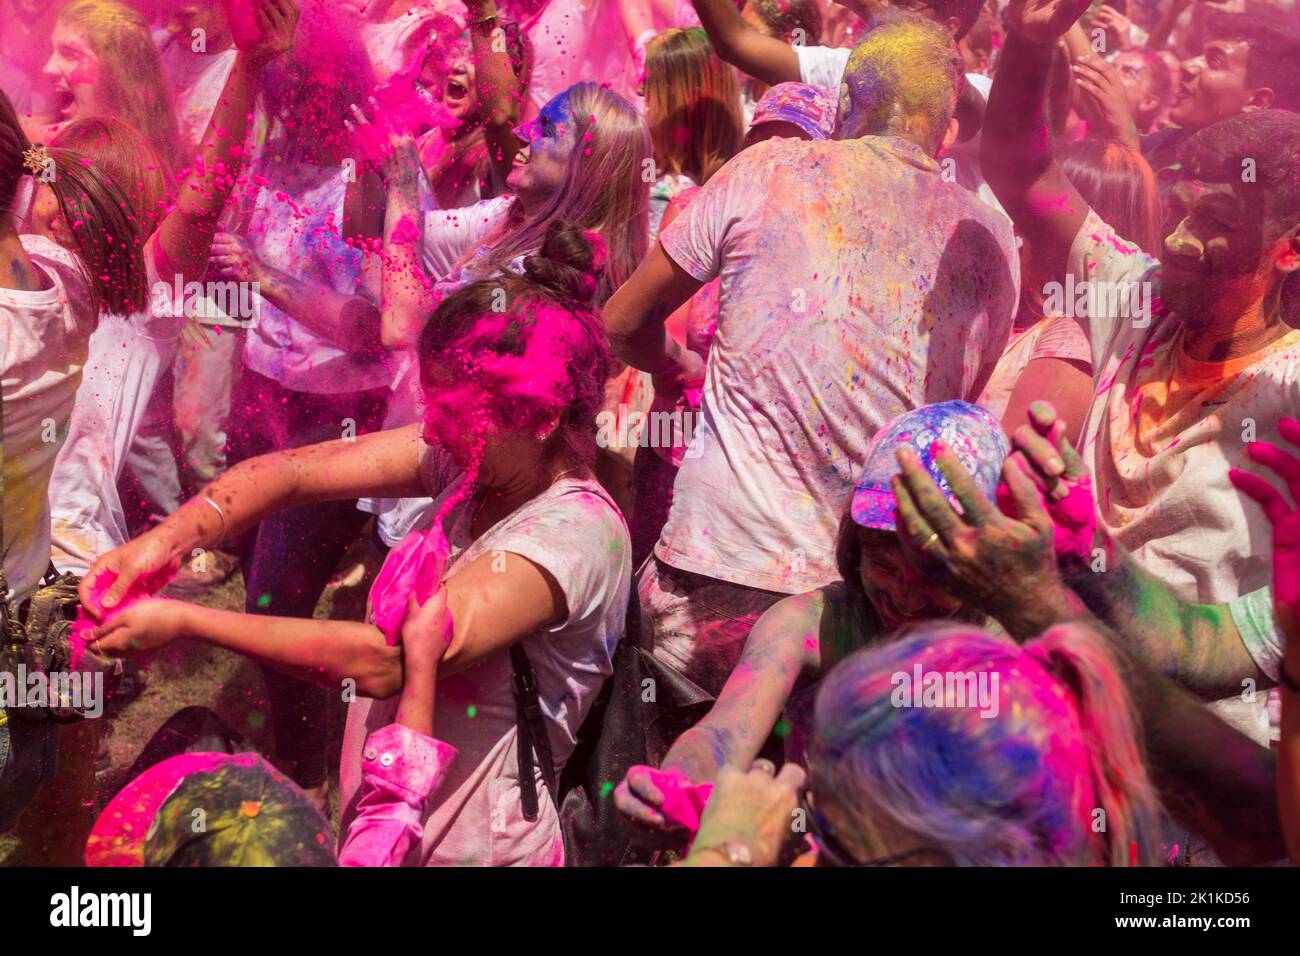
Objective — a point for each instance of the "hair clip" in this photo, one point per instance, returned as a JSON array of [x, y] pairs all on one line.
[[36, 159]]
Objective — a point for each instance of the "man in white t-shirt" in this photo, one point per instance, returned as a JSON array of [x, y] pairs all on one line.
[[1191, 355], [857, 284]]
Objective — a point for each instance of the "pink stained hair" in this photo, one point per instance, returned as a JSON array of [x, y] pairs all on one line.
[[1056, 777]]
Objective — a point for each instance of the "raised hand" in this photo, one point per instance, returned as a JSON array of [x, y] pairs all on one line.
[[1104, 101], [1044, 21], [276, 22]]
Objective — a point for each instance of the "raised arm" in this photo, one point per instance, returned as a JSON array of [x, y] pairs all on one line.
[[185, 235], [1017, 152], [763, 57], [499, 89], [380, 464]]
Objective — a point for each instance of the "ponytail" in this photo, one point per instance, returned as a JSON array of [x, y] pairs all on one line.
[[1075, 655], [105, 233]]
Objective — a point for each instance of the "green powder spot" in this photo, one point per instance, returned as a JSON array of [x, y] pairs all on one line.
[[607, 788], [471, 710], [264, 600], [782, 727], [256, 720]]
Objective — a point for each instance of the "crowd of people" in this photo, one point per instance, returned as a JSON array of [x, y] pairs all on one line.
[[768, 432]]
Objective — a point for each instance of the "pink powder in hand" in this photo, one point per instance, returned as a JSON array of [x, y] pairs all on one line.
[[84, 625], [683, 801], [1075, 520], [416, 567]]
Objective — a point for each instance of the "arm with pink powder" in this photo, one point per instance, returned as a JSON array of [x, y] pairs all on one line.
[[1017, 152], [783, 645], [185, 235], [1285, 518]]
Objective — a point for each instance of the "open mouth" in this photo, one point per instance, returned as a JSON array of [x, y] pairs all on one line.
[[65, 104], [456, 91]]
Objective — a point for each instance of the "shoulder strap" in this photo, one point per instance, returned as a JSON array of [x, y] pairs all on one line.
[[532, 734]]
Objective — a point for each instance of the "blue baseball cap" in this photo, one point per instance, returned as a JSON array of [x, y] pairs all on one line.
[[970, 431]]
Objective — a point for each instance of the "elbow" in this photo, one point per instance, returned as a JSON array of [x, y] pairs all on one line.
[[380, 675]]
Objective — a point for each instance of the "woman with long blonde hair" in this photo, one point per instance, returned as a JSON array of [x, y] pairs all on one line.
[[105, 63], [693, 108], [583, 160]]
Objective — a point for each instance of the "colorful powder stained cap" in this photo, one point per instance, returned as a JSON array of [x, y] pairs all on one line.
[[808, 107], [970, 431], [251, 815]]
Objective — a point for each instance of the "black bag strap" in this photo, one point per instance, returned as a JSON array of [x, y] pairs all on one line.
[[533, 737]]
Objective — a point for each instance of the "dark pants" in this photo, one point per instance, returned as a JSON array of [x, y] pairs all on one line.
[[290, 556]]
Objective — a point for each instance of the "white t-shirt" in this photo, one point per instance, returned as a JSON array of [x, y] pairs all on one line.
[[296, 227], [127, 357], [574, 531], [197, 80], [856, 285], [44, 338], [1163, 431]]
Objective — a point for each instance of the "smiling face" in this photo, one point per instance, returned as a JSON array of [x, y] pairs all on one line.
[[549, 142], [1213, 85], [900, 594], [74, 70]]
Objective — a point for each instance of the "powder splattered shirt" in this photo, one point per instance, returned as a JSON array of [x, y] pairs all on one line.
[[574, 531], [856, 284]]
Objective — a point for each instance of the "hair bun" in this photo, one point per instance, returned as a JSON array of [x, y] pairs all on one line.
[[570, 263]]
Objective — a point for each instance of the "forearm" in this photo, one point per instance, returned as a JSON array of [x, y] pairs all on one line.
[[498, 87], [765, 58], [325, 653], [186, 234], [1195, 645], [351, 321], [1213, 779], [1017, 144], [415, 709], [407, 290]]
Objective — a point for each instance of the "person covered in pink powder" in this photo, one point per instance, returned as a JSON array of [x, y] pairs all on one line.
[[539, 563], [827, 329], [1014, 769]]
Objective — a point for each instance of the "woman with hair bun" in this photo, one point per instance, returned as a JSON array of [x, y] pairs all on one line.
[[526, 548]]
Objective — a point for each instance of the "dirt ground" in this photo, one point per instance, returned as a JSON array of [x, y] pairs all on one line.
[[188, 673]]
